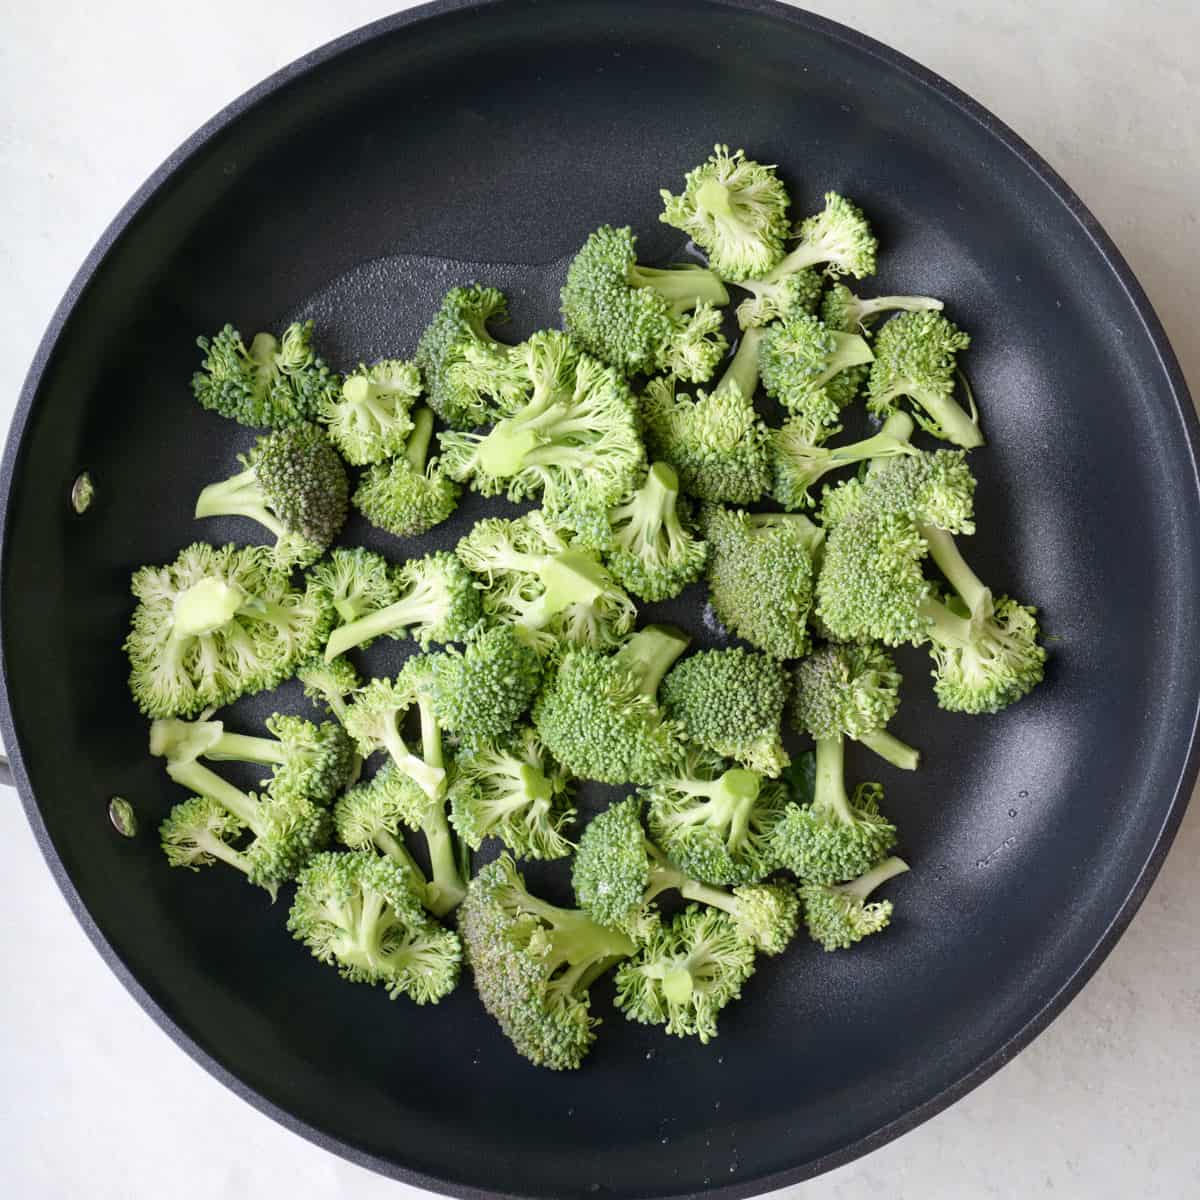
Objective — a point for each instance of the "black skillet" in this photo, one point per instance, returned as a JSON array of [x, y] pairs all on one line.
[[503, 133]]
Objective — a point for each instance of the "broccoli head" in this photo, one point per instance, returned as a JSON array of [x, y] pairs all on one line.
[[838, 915], [368, 420], [356, 581], [332, 684], [811, 370]]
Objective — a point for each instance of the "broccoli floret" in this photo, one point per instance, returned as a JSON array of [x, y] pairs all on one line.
[[685, 973], [512, 790], [438, 602], [598, 715], [307, 761], [760, 576], [838, 916], [638, 319], [842, 309], [332, 684], [369, 419], [716, 442], [800, 461], [287, 831], [651, 550], [470, 376], [552, 590], [736, 210], [482, 692], [295, 485], [356, 581], [731, 702], [811, 370], [215, 624], [374, 722], [408, 496], [838, 237], [574, 444], [618, 871], [275, 382], [851, 690], [360, 913], [915, 358], [717, 824], [533, 963]]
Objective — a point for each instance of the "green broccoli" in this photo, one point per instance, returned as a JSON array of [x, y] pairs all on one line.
[[842, 309], [359, 913], [407, 496], [369, 419], [307, 761], [513, 790], [618, 871], [915, 358], [812, 370], [295, 485], [437, 602], [533, 963], [357, 582], [482, 692], [333, 684], [216, 624], [639, 319], [651, 550], [717, 824], [551, 589], [716, 442], [838, 916], [735, 210], [275, 382], [800, 460], [574, 444], [598, 716], [469, 376], [760, 576], [838, 236], [685, 973], [730, 702]]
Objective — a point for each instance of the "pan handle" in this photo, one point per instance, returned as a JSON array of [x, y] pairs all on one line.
[[6, 775]]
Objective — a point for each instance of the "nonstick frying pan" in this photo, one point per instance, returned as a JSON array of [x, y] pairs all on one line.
[[501, 133]]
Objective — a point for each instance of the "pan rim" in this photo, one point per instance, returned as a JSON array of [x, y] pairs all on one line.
[[891, 59]]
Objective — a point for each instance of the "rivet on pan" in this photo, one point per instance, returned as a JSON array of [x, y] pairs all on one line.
[[121, 814], [82, 491]]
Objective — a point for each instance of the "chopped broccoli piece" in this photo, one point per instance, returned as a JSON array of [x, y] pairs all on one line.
[[307, 761], [513, 790], [716, 442], [215, 624], [438, 602], [470, 377], [760, 576], [731, 702], [842, 309], [838, 236], [274, 383], [482, 692], [574, 443], [408, 496], [915, 358], [533, 963], [369, 419], [295, 485], [552, 590], [359, 913], [639, 319], [598, 715], [332, 684], [651, 550], [685, 973], [735, 209], [357, 582], [812, 370], [715, 823], [838, 916]]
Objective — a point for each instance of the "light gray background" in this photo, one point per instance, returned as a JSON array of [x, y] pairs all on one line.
[[94, 1099]]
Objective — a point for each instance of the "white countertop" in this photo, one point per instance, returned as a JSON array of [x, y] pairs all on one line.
[[95, 1101]]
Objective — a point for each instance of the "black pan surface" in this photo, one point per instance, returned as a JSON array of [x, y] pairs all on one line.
[[503, 133]]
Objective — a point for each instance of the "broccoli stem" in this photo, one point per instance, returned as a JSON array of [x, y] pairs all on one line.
[[712, 196], [238, 496], [949, 416], [567, 579], [682, 287], [830, 789], [866, 309], [430, 778], [204, 782], [945, 553], [578, 940], [210, 844], [417, 449], [742, 371], [241, 747], [649, 654], [422, 605], [205, 606], [730, 802], [446, 888], [892, 749], [390, 845], [864, 885]]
